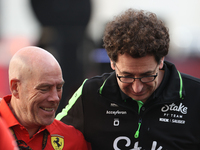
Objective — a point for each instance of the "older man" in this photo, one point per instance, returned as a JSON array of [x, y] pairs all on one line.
[[35, 80]]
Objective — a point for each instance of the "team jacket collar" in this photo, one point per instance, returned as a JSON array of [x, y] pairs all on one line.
[[6, 113], [110, 88], [170, 90], [174, 88]]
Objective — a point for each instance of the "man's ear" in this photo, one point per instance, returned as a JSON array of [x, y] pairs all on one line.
[[14, 87], [161, 63], [112, 64]]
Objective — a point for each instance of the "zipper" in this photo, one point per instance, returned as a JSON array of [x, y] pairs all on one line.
[[140, 104], [138, 130]]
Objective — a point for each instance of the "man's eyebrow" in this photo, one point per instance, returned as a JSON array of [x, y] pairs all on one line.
[[43, 85], [47, 84], [148, 72]]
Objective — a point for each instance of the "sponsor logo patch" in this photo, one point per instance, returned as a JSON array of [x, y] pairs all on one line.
[[116, 112], [113, 105], [173, 113], [127, 140], [57, 141]]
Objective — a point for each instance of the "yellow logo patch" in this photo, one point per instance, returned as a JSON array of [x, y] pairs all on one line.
[[57, 141]]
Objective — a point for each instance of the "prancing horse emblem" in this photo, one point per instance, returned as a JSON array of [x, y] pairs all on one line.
[[57, 141]]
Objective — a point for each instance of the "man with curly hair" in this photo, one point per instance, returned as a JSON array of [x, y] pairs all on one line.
[[146, 103]]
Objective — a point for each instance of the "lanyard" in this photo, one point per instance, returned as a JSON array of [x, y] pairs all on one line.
[[23, 146]]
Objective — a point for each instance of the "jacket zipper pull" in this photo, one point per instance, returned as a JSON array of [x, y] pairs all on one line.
[[138, 130]]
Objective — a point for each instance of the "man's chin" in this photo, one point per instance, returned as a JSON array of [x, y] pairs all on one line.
[[46, 122]]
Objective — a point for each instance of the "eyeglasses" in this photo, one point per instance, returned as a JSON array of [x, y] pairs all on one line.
[[146, 79]]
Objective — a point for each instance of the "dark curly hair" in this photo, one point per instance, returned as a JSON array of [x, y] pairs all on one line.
[[137, 33]]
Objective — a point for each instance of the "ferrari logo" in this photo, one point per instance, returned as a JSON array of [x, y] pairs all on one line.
[[57, 141]]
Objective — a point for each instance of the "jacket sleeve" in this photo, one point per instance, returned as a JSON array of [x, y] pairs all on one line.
[[72, 114]]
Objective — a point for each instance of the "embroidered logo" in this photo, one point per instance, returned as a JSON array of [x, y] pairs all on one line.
[[172, 107], [116, 122], [174, 113], [127, 142], [57, 141], [117, 112], [113, 105]]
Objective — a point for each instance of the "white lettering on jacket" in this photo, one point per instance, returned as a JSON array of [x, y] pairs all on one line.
[[116, 112], [128, 143], [172, 107]]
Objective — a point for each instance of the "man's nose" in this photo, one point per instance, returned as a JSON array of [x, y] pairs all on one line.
[[137, 86], [55, 95]]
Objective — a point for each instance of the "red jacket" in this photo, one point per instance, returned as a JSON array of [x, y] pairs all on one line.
[[7, 141]]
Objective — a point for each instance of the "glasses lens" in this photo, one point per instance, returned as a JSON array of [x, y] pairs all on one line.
[[131, 80], [148, 79], [126, 80]]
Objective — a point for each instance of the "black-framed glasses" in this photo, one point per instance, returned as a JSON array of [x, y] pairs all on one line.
[[145, 79]]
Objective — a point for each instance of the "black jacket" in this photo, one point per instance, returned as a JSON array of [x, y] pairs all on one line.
[[168, 120]]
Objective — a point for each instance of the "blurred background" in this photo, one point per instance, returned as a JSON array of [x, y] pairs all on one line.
[[72, 31]]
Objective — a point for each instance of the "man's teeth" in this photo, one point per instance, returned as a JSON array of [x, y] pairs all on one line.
[[48, 109]]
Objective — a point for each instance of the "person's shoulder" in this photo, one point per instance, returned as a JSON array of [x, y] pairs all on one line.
[[69, 132], [103, 76], [99, 79], [191, 79], [94, 83], [72, 137], [60, 126]]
